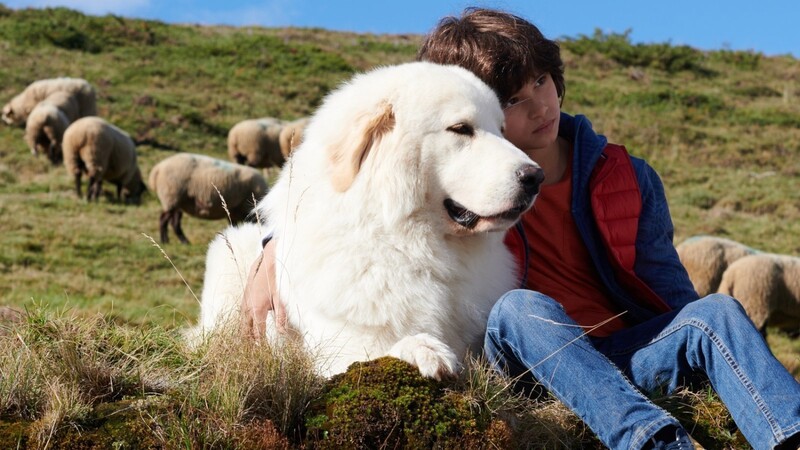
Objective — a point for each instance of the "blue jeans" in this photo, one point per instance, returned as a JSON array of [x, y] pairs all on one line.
[[603, 380]]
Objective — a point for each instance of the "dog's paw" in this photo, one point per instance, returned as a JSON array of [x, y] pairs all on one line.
[[432, 357]]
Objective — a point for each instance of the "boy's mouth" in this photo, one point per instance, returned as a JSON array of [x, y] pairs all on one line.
[[545, 126]]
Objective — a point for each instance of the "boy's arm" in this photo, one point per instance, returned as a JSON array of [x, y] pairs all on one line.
[[261, 296], [657, 262]]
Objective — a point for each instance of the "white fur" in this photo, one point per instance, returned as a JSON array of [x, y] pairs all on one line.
[[228, 261], [368, 261]]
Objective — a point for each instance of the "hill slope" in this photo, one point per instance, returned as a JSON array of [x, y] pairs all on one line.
[[722, 128]]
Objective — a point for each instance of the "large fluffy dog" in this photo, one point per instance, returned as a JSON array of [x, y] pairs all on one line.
[[389, 220]]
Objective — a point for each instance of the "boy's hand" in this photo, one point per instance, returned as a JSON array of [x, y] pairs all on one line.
[[261, 296]]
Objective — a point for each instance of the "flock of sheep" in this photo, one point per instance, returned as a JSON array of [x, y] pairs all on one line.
[[59, 116], [766, 284], [60, 120]]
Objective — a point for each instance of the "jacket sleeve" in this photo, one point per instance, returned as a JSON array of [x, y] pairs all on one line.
[[657, 262]]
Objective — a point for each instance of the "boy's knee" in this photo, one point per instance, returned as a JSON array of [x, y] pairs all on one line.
[[521, 304], [717, 307]]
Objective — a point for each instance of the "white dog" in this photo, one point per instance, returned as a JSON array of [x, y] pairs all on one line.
[[389, 220]]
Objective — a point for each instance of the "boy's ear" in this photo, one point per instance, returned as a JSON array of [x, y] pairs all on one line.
[[347, 154]]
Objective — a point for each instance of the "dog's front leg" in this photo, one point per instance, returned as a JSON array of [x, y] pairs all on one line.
[[432, 357]]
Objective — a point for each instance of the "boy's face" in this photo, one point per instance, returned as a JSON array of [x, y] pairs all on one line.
[[532, 114]]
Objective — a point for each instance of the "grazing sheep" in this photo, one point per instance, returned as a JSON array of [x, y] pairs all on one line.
[[768, 287], [16, 111], [198, 185], [255, 142], [44, 130], [47, 122], [103, 152], [707, 257], [291, 136]]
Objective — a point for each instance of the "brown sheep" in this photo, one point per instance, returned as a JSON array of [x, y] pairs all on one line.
[[104, 152], [16, 111], [255, 142], [46, 124], [707, 257], [199, 185], [768, 287], [292, 135]]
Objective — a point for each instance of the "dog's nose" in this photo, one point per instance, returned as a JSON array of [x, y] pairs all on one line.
[[531, 178]]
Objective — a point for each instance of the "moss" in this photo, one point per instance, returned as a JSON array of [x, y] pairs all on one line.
[[14, 433], [386, 403], [126, 424]]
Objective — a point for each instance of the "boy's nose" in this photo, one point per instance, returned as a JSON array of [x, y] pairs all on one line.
[[537, 108]]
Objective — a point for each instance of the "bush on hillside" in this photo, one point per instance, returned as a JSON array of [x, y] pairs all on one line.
[[618, 47], [72, 30]]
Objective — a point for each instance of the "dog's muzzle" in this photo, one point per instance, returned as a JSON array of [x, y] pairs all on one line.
[[530, 178]]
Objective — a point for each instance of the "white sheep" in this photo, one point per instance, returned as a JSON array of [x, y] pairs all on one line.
[[44, 130], [104, 152], [198, 185], [16, 111], [292, 135], [768, 287], [255, 142], [47, 122], [706, 258]]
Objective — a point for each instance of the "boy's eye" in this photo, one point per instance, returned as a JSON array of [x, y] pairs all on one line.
[[510, 102], [541, 80], [462, 128]]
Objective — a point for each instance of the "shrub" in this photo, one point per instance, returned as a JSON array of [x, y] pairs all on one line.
[[618, 47], [72, 30]]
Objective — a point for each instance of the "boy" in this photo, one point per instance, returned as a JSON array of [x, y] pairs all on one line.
[[609, 311]]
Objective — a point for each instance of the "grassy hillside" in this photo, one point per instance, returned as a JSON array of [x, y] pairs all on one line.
[[176, 88], [722, 128]]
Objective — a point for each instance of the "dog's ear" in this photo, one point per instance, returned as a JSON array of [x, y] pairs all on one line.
[[348, 154]]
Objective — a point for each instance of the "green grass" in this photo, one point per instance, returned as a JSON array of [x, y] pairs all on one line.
[[721, 128]]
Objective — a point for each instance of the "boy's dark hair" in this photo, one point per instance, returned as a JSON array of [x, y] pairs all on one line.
[[503, 50]]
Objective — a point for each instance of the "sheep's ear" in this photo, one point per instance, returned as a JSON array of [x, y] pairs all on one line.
[[349, 152]]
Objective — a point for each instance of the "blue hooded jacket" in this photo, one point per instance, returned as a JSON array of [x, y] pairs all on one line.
[[602, 176]]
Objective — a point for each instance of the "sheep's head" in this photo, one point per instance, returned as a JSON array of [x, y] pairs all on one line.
[[54, 153], [8, 114], [132, 192]]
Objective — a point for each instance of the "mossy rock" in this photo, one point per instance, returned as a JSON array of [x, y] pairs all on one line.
[[126, 424], [13, 433], [386, 403]]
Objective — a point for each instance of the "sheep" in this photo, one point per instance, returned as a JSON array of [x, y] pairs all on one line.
[[768, 287], [706, 258], [44, 130], [16, 111], [255, 142], [203, 187], [103, 152], [291, 136], [47, 122]]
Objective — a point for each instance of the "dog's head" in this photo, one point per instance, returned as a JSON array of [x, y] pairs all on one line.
[[424, 141]]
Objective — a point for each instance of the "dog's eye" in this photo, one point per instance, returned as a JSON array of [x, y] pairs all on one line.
[[462, 128]]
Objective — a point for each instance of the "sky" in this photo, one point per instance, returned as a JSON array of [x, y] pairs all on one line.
[[766, 26]]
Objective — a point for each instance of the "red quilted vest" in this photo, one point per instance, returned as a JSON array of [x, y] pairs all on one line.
[[617, 205]]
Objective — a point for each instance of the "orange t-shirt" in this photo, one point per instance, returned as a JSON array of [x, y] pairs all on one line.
[[559, 264]]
